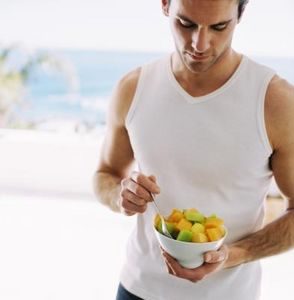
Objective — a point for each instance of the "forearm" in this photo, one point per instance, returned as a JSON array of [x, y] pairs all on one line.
[[107, 189], [274, 238]]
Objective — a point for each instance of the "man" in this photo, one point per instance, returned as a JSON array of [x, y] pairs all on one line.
[[213, 127]]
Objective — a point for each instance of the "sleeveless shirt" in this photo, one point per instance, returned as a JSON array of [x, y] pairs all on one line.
[[209, 152]]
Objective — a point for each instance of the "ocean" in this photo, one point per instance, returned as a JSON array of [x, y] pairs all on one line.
[[49, 97], [97, 73]]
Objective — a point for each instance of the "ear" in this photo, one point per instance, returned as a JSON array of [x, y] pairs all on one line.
[[165, 7]]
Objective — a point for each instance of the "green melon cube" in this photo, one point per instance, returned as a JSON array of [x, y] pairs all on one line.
[[185, 236], [171, 228], [194, 215]]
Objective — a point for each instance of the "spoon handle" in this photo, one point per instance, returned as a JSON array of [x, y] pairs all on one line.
[[152, 195], [155, 204]]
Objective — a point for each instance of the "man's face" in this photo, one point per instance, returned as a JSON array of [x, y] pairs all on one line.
[[202, 30]]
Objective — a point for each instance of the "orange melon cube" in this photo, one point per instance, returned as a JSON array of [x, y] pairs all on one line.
[[214, 234], [183, 224], [175, 216], [212, 222]]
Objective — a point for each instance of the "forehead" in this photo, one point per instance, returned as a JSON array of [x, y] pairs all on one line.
[[205, 11]]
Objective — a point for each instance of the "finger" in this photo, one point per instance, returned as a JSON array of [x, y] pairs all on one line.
[[128, 212], [169, 269], [147, 183], [132, 207], [169, 266], [195, 274], [171, 263], [131, 197], [152, 178], [123, 209], [192, 275], [218, 256], [167, 256], [207, 268], [136, 189]]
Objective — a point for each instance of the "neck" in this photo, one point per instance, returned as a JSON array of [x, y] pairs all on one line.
[[205, 82]]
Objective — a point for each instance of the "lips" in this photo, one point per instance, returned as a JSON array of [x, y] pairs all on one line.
[[198, 56]]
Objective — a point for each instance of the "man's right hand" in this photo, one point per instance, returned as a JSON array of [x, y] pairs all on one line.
[[135, 193]]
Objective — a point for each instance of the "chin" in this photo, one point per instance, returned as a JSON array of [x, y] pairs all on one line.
[[197, 67]]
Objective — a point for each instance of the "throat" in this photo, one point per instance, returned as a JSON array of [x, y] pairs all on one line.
[[199, 86], [204, 83]]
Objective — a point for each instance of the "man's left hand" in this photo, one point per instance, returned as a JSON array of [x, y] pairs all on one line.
[[213, 262]]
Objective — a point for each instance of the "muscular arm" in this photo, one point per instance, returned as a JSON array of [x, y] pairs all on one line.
[[277, 236], [114, 185], [116, 155]]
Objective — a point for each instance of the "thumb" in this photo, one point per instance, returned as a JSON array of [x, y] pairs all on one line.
[[152, 178], [212, 257]]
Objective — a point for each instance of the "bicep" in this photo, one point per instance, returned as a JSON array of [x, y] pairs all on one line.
[[279, 110], [116, 154]]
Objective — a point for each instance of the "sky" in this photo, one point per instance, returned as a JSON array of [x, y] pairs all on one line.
[[267, 27]]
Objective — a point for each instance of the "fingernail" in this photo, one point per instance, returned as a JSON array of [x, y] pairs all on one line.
[[157, 190]]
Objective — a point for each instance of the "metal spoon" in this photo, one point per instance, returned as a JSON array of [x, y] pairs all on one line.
[[163, 224]]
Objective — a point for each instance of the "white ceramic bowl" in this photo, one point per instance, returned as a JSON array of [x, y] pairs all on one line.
[[188, 254]]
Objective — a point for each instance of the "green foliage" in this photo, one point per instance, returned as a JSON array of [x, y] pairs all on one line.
[[16, 67]]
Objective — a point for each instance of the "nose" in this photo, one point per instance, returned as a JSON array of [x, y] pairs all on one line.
[[200, 40]]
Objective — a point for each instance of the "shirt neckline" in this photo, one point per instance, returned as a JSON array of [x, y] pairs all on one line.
[[200, 99]]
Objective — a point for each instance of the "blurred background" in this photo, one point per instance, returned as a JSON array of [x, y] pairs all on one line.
[[59, 62]]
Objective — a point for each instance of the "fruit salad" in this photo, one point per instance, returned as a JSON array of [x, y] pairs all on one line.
[[190, 225]]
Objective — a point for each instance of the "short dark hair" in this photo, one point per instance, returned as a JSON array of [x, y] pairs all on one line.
[[241, 7]]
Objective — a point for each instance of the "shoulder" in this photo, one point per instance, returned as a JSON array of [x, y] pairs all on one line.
[[122, 97], [279, 111]]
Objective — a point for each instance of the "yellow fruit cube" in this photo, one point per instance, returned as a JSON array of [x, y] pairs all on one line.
[[214, 234], [156, 220], [199, 238], [175, 216], [213, 222], [183, 224], [222, 230], [198, 228]]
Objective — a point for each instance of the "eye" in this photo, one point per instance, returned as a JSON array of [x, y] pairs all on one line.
[[186, 24], [219, 27]]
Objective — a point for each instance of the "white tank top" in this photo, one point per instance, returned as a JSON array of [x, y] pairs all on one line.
[[210, 152]]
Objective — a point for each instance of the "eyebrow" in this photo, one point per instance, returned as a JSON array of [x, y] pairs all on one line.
[[217, 24]]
